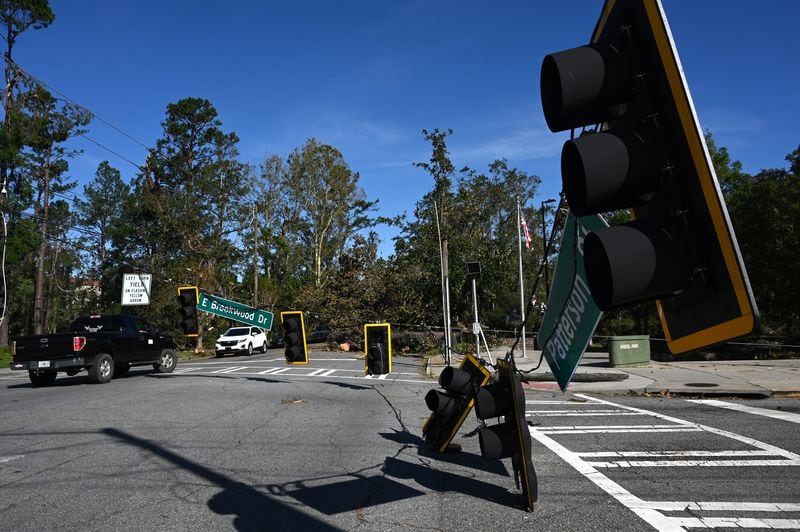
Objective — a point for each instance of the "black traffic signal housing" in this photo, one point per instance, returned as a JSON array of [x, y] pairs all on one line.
[[646, 152], [377, 348], [451, 406], [294, 337], [511, 437], [188, 298]]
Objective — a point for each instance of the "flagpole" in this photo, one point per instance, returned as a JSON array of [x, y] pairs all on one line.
[[521, 285]]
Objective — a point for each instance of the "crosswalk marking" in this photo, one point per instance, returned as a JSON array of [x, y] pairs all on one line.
[[303, 372], [578, 413], [783, 416], [617, 429], [590, 465], [229, 370]]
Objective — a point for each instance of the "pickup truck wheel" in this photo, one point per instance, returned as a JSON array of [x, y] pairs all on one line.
[[42, 378], [168, 362], [121, 369], [102, 370], [249, 349]]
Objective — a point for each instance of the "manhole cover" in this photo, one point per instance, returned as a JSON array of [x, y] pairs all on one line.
[[701, 384]]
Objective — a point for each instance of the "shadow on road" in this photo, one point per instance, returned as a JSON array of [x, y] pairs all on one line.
[[253, 509]]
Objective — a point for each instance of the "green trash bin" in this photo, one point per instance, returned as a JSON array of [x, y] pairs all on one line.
[[629, 351]]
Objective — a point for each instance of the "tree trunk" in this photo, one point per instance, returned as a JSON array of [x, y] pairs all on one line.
[[38, 294]]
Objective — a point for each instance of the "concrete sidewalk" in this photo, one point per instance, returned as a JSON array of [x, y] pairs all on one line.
[[746, 378]]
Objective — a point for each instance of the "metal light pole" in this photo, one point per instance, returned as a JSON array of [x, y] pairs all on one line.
[[544, 250]]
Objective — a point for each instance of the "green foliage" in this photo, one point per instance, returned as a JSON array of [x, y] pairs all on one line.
[[765, 212]]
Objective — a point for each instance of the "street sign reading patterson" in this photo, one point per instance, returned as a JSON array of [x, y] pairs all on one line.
[[572, 314], [235, 311]]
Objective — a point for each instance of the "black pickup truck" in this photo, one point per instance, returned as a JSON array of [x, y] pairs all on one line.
[[105, 346]]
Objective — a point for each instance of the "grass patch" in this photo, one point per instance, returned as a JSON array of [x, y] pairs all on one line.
[[5, 357]]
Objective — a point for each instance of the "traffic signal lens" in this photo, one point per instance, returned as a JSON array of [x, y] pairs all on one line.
[[439, 403], [455, 380], [491, 401], [638, 261], [606, 171], [585, 85], [496, 441]]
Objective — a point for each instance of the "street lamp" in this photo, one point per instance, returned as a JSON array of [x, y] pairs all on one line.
[[544, 251]]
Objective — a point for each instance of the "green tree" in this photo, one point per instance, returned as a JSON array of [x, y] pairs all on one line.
[[479, 222], [16, 17], [329, 206], [99, 213], [765, 212]]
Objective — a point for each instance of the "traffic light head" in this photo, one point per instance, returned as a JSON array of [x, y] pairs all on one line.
[[294, 337], [642, 149], [187, 299], [449, 407], [509, 438], [378, 348]]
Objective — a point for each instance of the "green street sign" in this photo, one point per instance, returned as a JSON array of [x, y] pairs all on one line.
[[572, 314], [235, 311]]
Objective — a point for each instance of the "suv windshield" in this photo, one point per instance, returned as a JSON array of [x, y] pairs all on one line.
[[239, 331]]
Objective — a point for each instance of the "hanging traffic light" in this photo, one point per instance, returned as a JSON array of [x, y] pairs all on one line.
[[187, 299], [294, 337], [511, 437], [646, 152], [450, 407], [378, 348]]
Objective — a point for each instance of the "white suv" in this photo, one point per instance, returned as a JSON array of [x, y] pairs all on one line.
[[242, 340]]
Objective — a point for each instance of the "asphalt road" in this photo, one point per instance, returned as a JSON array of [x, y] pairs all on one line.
[[249, 443]]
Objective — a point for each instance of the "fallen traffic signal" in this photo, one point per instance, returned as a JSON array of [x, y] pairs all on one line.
[[377, 348], [451, 406], [642, 149], [511, 437], [187, 299], [294, 337]]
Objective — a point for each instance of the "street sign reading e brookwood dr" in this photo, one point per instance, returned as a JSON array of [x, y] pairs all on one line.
[[572, 314], [234, 311]]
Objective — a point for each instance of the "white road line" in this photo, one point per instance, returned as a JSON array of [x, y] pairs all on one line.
[[783, 416], [328, 373], [665, 454], [618, 429], [545, 402], [268, 371], [578, 413], [229, 370], [280, 370], [4, 459], [315, 372], [694, 463]]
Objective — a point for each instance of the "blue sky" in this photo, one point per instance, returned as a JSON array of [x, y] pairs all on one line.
[[368, 76]]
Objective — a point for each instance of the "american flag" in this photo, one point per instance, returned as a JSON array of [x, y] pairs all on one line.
[[525, 233]]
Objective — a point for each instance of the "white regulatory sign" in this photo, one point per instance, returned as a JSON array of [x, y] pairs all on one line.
[[136, 288]]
